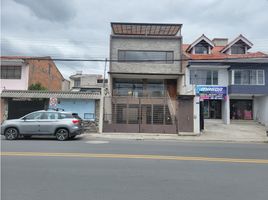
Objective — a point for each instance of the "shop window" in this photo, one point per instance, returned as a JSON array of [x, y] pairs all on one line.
[[241, 109]]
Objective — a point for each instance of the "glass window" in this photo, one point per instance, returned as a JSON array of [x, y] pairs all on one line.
[[125, 87], [52, 115], [248, 77], [10, 72], [237, 77], [236, 49], [77, 82], [155, 88], [204, 77], [65, 116], [139, 88], [260, 76], [202, 48], [33, 116], [132, 56]]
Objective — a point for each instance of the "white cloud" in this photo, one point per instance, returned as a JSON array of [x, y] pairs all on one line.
[[81, 28]]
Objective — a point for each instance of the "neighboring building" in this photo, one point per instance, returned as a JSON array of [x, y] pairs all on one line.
[[85, 104], [145, 79], [65, 85], [248, 89], [230, 81], [19, 72], [87, 82]]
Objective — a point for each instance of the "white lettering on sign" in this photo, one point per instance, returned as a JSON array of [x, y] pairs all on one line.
[[211, 89]]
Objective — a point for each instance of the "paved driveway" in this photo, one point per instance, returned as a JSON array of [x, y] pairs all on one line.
[[236, 131]]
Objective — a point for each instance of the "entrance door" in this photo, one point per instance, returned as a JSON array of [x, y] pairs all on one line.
[[212, 109], [185, 113], [215, 109]]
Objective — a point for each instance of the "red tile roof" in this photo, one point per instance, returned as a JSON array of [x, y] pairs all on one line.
[[217, 55]]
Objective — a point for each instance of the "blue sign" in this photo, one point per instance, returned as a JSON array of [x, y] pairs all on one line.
[[211, 92]]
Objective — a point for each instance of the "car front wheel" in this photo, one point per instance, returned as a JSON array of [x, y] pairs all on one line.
[[62, 134], [11, 134]]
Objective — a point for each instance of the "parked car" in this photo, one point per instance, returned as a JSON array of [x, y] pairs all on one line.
[[63, 125]]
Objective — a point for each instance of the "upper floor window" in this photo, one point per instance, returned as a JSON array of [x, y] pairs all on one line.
[[201, 48], [77, 82], [248, 77], [238, 48], [10, 72], [203, 77], [156, 56]]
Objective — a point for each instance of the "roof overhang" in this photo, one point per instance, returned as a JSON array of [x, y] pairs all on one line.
[[49, 94], [148, 29]]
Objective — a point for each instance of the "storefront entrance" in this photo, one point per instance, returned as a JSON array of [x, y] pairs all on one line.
[[212, 109], [241, 109]]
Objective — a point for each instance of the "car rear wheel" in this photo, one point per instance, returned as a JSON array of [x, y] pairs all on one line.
[[62, 134], [11, 133]]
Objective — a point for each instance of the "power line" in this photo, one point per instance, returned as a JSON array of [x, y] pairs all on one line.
[[124, 61]]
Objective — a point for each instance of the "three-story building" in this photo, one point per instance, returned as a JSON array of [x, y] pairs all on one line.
[[144, 75]]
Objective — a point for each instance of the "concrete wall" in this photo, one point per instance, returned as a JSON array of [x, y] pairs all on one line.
[[65, 86], [152, 44], [15, 84], [260, 109], [87, 80]]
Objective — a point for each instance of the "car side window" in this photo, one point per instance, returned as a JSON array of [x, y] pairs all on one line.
[[65, 116], [44, 116], [34, 116], [52, 115]]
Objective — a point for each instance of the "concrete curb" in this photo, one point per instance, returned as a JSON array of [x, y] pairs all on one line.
[[169, 137]]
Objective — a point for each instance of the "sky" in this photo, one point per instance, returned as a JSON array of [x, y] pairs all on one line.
[[81, 28]]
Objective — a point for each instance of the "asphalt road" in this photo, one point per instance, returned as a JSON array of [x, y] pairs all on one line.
[[41, 169]]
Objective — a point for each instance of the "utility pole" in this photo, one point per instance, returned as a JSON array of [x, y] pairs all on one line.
[[102, 99]]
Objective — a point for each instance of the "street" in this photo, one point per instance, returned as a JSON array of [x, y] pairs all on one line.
[[43, 168]]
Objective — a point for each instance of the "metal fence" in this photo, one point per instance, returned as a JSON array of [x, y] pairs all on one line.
[[139, 114]]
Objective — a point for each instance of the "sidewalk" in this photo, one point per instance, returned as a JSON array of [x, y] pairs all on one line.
[[215, 130]]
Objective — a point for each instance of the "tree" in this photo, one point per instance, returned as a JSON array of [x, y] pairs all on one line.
[[36, 86]]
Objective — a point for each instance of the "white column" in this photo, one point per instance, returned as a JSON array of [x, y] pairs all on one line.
[[196, 114], [101, 111], [226, 110]]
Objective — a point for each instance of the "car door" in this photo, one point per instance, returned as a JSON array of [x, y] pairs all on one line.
[[48, 122], [30, 123]]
